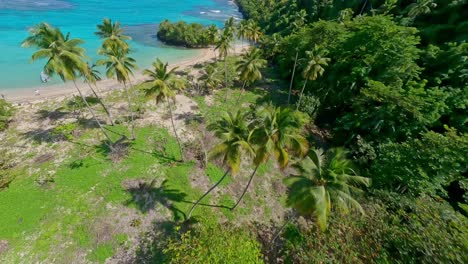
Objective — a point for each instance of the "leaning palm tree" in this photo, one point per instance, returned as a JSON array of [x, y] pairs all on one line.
[[119, 65], [164, 85], [212, 34], [223, 47], [242, 31], [314, 69], [91, 76], [277, 132], [65, 57], [292, 77], [325, 182], [210, 78], [420, 7], [249, 67], [112, 34], [233, 131]]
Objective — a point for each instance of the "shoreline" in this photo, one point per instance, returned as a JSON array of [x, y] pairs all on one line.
[[64, 90]]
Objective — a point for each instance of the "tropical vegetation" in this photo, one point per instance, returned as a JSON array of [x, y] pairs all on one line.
[[193, 35], [339, 135]]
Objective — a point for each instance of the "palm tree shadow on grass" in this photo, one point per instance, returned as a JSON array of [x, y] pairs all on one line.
[[145, 196], [54, 115], [115, 151], [43, 136]]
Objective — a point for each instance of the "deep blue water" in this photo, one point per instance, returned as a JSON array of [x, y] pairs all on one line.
[[79, 17]]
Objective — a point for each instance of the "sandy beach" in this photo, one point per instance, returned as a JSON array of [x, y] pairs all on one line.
[[59, 91]]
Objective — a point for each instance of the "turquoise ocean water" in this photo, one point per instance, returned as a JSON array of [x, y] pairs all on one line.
[[79, 17]]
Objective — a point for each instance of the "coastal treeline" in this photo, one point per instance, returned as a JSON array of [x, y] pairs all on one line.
[[193, 35]]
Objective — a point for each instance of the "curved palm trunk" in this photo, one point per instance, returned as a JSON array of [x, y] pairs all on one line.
[[226, 78], [207, 192], [92, 113], [279, 231], [175, 131], [246, 187], [102, 104], [129, 102], [292, 77], [302, 93], [135, 95], [242, 92]]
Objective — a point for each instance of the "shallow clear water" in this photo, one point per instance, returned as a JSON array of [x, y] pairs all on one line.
[[79, 17]]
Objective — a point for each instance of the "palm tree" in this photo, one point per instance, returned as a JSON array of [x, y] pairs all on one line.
[[278, 133], [230, 27], [325, 182], [242, 31], [91, 77], [292, 77], [233, 131], [210, 78], [65, 57], [223, 47], [112, 34], [164, 85], [421, 7], [249, 67], [254, 32], [314, 69], [119, 65], [212, 33], [299, 20]]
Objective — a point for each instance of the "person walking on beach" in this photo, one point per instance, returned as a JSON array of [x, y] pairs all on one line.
[[37, 92]]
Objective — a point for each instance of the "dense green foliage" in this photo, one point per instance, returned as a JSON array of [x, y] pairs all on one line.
[[214, 244], [193, 35], [394, 92], [396, 229], [6, 112], [385, 84]]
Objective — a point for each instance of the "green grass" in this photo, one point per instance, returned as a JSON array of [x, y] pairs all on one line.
[[101, 253], [83, 185], [214, 173], [211, 112], [227, 201]]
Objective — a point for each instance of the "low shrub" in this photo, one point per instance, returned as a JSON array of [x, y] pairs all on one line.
[[214, 244], [6, 112]]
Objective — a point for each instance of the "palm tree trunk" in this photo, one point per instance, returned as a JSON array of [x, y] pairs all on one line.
[[292, 77], [279, 231], [204, 195], [302, 93], [242, 91], [102, 104], [226, 78], [129, 102], [135, 95], [175, 131], [92, 113], [246, 187]]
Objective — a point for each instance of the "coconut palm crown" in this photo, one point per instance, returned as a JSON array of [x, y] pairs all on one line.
[[324, 182]]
